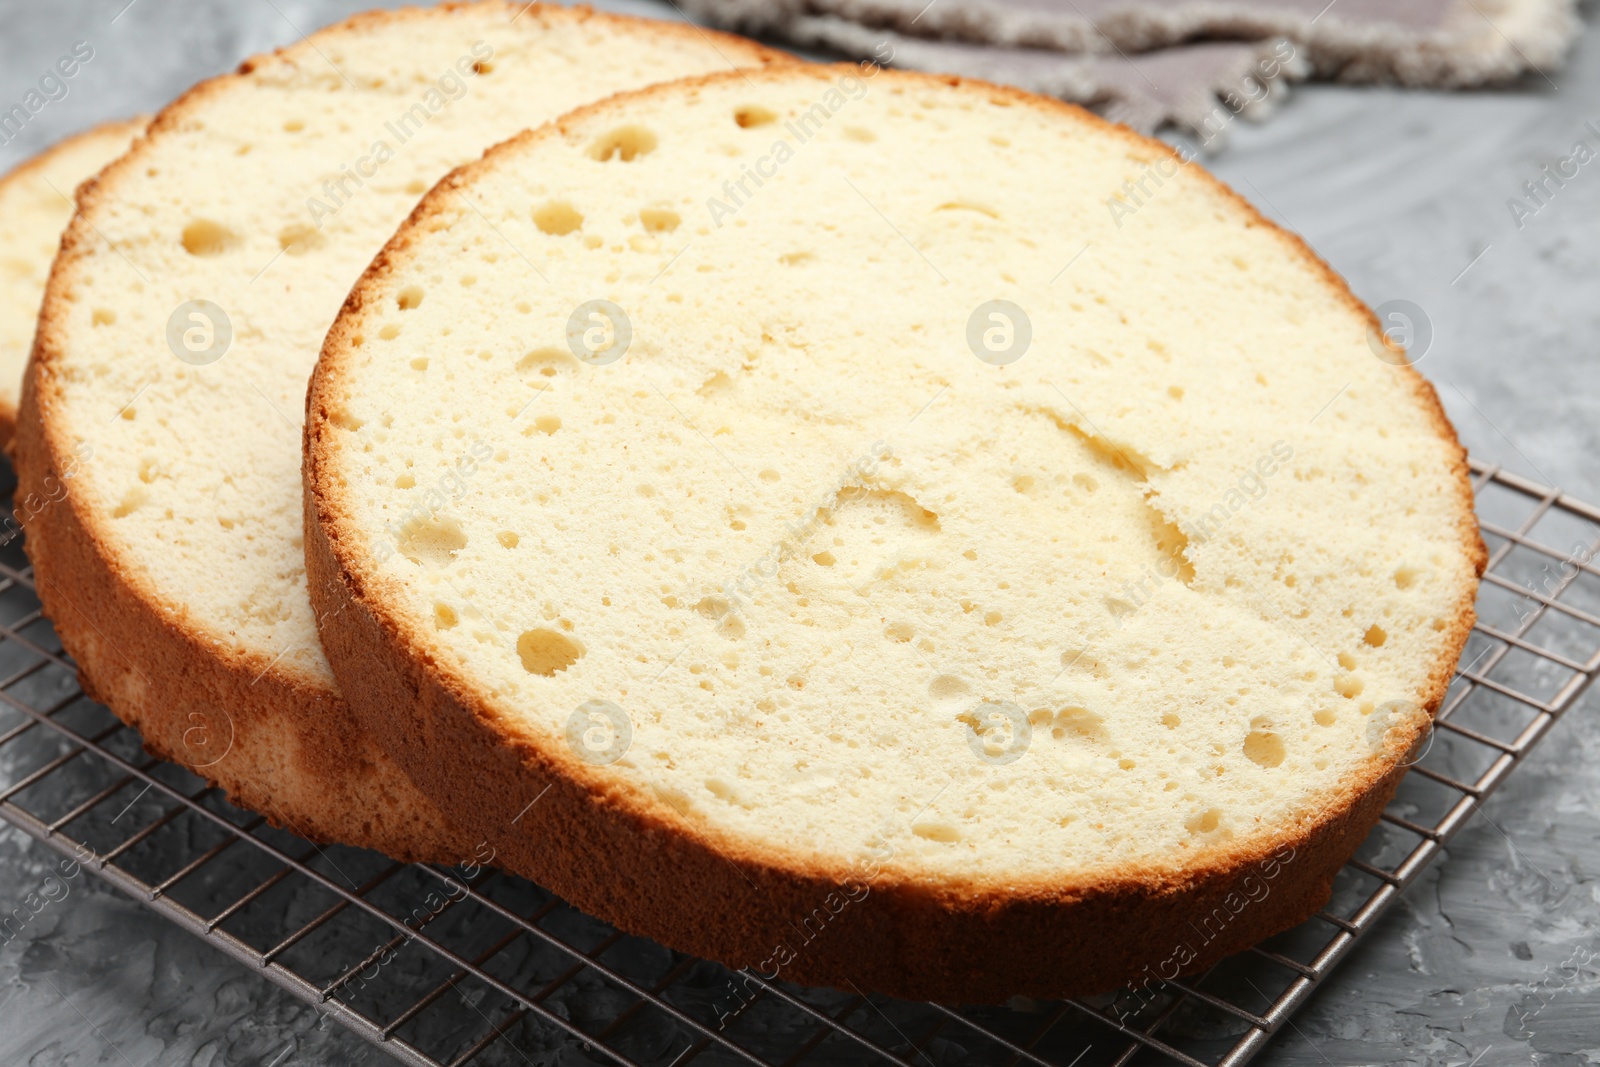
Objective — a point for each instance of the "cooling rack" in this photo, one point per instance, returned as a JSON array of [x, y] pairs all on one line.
[[449, 966]]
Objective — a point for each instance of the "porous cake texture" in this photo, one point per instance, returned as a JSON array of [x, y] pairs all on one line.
[[789, 516], [35, 206], [183, 317]]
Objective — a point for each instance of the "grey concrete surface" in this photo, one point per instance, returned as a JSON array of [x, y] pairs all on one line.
[[1406, 194]]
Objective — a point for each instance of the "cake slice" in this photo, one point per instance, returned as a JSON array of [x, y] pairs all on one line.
[[857, 557], [182, 319], [35, 206]]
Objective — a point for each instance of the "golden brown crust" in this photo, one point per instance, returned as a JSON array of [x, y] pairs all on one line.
[[277, 743], [631, 858], [125, 129]]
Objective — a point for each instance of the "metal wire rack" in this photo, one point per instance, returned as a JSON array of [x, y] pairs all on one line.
[[449, 966]]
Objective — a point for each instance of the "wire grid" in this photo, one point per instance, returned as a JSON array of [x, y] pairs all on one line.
[[445, 966]]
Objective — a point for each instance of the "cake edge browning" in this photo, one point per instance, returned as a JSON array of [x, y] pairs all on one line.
[[275, 742], [630, 858]]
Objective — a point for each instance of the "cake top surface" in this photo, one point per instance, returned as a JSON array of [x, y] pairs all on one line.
[[206, 266], [815, 455]]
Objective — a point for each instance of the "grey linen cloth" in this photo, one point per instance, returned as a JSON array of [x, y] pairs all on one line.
[[1196, 64]]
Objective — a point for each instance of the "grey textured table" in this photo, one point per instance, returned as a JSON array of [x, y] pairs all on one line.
[[1407, 195]]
